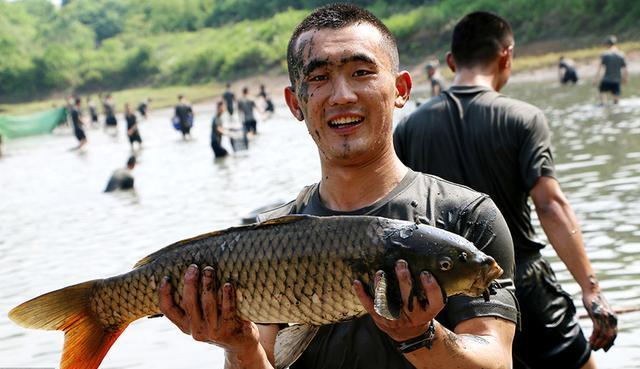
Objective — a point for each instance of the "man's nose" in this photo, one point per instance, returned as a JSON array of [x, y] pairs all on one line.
[[342, 92]]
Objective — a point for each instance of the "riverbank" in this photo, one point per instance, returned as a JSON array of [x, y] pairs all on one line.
[[531, 67]]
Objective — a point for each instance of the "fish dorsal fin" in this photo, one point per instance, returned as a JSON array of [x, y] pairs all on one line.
[[174, 246], [291, 343], [381, 300]]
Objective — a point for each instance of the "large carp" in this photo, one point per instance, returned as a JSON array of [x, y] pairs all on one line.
[[295, 269]]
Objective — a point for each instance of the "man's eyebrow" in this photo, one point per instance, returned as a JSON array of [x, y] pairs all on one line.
[[313, 64], [359, 57]]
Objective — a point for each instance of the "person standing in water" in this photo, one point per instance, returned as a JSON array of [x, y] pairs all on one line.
[[217, 130], [93, 112], [184, 113], [246, 106], [132, 127], [567, 71], [110, 120], [229, 98], [122, 179], [473, 135], [615, 71], [435, 78], [78, 123]]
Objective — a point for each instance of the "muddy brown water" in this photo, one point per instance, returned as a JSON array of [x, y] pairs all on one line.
[[57, 227]]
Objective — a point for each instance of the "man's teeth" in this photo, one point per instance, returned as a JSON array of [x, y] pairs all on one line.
[[344, 121]]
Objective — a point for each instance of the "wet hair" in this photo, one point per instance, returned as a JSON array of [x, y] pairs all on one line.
[[611, 40], [479, 37], [77, 100], [131, 161], [336, 16], [245, 90]]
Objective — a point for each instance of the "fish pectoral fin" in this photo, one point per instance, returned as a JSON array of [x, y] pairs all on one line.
[[291, 343], [381, 301]]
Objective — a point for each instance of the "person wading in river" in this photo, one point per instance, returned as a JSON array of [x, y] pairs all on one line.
[[345, 85], [500, 146]]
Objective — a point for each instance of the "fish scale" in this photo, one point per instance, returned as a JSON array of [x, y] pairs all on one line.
[[295, 269]]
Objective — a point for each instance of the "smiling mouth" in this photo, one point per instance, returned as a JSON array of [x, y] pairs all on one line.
[[344, 122]]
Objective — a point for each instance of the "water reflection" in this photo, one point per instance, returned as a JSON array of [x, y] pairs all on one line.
[[58, 228]]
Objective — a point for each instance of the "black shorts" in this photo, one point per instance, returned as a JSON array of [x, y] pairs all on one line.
[[135, 137], [613, 87], [569, 76], [250, 125], [111, 121], [550, 336], [79, 132]]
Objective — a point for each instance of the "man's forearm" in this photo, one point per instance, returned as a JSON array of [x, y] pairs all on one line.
[[251, 359], [451, 350], [561, 227]]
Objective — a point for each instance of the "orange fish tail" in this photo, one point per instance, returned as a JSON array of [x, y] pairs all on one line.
[[86, 339]]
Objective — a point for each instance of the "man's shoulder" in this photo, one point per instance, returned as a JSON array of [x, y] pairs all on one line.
[[450, 193], [279, 211]]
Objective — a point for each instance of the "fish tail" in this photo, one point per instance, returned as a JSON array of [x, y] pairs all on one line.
[[86, 339]]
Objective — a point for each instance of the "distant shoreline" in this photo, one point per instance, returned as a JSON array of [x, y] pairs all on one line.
[[527, 68]]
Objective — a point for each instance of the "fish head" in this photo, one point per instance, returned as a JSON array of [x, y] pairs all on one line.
[[457, 265]]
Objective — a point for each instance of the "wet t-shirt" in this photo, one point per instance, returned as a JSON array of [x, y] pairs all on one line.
[[246, 107], [500, 147], [613, 61], [75, 118], [426, 199]]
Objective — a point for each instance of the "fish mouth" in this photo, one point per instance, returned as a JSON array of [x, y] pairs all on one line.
[[489, 272]]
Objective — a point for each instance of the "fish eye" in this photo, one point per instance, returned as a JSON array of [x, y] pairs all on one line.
[[463, 256], [445, 264]]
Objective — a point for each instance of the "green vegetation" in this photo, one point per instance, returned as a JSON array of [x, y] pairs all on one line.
[[87, 46]]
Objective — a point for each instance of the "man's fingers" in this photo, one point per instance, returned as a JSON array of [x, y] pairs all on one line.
[[190, 298], [365, 300], [228, 303], [432, 290], [169, 308], [404, 280], [208, 298]]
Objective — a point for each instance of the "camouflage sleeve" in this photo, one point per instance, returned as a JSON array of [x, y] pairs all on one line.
[[279, 211]]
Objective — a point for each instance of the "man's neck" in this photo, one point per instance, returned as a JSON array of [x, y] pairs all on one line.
[[476, 77], [349, 188]]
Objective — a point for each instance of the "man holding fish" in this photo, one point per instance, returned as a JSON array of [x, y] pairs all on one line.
[[345, 85]]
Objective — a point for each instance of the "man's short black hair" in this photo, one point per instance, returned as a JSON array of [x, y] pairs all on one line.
[[336, 16], [479, 37]]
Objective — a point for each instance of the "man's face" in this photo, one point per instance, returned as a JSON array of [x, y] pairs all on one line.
[[346, 90]]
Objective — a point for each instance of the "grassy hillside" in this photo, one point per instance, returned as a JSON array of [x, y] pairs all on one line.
[[99, 45]]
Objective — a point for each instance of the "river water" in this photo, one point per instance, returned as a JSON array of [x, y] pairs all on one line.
[[57, 227]]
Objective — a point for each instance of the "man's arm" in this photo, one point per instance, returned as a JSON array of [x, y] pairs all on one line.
[[481, 342], [596, 79], [625, 75], [206, 319], [561, 227]]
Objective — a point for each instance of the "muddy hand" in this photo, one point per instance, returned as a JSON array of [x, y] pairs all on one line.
[[605, 322], [412, 322], [203, 316]]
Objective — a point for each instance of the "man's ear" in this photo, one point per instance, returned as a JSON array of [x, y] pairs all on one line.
[[403, 88], [506, 59], [292, 102], [450, 61]]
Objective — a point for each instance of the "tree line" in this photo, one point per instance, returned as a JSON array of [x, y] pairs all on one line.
[[89, 45]]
